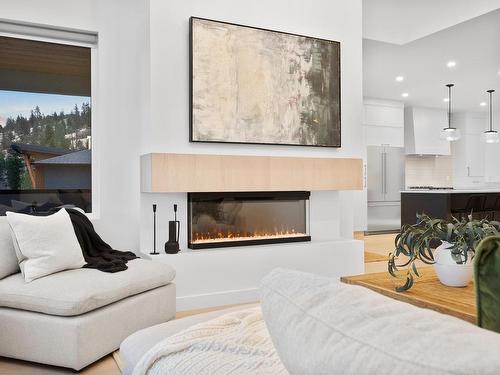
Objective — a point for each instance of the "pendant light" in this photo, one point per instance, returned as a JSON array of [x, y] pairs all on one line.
[[491, 136], [450, 133]]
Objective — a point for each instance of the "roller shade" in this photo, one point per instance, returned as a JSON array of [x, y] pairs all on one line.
[[34, 66]]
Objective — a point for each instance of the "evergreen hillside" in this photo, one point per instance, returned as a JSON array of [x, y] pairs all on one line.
[[62, 130]]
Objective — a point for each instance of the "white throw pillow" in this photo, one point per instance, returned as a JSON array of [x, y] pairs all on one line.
[[323, 327], [45, 244], [8, 260]]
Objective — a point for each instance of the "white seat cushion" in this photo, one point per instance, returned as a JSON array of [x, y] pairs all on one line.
[[75, 292], [321, 326]]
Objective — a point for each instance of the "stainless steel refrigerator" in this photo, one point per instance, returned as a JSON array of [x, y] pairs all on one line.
[[385, 180]]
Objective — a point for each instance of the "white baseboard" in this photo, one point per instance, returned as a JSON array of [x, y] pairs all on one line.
[[229, 297]]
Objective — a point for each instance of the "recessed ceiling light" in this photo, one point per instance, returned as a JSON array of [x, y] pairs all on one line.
[[400, 79], [483, 104], [404, 95], [446, 100], [451, 64]]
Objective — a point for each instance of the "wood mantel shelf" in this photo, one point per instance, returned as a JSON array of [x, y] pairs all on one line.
[[169, 173]]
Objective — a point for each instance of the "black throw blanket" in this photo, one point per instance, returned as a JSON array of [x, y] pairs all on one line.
[[97, 253]]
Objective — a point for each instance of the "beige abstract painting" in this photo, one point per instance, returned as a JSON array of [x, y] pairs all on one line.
[[252, 85]]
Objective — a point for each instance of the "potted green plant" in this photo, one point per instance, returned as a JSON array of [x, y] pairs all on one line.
[[448, 245]]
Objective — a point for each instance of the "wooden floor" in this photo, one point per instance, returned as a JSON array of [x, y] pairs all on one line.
[[380, 244], [183, 314], [105, 366]]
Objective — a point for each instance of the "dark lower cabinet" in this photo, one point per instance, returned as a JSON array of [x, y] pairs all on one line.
[[444, 205]]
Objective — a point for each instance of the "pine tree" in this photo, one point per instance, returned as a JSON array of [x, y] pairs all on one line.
[[6, 140], [23, 127], [10, 124], [14, 168], [36, 112], [49, 137], [59, 136], [2, 171], [74, 119], [32, 119], [85, 115]]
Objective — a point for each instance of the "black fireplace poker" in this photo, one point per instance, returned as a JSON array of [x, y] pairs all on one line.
[[154, 231]]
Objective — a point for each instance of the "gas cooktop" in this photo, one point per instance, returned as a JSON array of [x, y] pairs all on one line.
[[430, 188]]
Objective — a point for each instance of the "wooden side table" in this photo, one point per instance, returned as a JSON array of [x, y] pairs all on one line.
[[427, 292]]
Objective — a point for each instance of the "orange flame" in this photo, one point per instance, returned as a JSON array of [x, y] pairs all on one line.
[[217, 235]]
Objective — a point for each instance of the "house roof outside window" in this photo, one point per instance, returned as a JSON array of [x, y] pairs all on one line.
[[83, 157]]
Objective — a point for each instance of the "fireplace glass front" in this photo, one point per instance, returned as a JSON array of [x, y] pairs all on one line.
[[241, 219]]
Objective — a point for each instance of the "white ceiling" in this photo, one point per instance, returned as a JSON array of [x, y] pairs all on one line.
[[474, 45], [402, 21]]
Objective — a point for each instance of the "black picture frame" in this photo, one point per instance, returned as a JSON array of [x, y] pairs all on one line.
[[191, 93]]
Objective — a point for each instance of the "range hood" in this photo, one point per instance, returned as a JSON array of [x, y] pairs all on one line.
[[423, 128]]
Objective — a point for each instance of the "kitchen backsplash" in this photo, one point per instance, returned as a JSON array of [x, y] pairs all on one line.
[[429, 171]]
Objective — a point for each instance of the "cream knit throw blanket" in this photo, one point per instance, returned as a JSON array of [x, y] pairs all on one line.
[[237, 343]]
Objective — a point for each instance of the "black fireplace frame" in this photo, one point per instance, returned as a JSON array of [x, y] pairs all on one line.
[[257, 195]]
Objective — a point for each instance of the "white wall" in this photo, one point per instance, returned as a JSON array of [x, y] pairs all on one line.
[[168, 130], [396, 21], [141, 105], [141, 99], [429, 170], [117, 104], [337, 20]]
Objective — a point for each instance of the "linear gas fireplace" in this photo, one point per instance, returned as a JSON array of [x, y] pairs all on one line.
[[247, 218]]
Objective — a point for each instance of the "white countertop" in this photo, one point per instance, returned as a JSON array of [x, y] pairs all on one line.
[[452, 191]]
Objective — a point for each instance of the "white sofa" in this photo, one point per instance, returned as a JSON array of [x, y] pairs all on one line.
[[323, 327], [72, 318]]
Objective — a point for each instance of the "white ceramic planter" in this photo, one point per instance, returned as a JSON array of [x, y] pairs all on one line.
[[448, 271]]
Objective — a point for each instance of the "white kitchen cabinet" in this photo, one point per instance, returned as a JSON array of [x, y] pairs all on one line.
[[491, 151], [383, 122], [475, 151], [471, 122], [383, 113], [470, 151], [492, 162], [422, 131]]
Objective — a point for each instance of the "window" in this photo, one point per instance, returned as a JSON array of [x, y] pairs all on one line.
[[45, 126]]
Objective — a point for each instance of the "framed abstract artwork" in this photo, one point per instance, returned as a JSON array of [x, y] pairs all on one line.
[[258, 86]]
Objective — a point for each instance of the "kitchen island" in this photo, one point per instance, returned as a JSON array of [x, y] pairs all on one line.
[[443, 204]]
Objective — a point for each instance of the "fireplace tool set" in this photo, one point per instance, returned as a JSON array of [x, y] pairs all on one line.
[[174, 227]]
